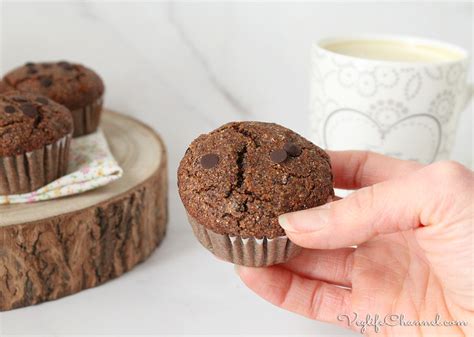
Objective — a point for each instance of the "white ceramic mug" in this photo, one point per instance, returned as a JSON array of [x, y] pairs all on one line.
[[401, 96]]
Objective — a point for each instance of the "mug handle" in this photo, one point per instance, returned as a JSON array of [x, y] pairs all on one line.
[[469, 96]]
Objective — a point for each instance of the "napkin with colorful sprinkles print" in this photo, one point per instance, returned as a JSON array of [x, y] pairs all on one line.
[[91, 165]]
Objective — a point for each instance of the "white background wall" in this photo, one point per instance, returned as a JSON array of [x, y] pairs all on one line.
[[185, 68]]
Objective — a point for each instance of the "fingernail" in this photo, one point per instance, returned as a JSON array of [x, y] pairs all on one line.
[[310, 220]]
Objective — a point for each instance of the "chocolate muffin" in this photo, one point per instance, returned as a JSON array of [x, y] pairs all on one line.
[[3, 87], [35, 133], [76, 87], [235, 181]]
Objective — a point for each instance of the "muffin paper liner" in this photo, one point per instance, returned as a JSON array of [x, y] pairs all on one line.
[[86, 119], [29, 171], [250, 252]]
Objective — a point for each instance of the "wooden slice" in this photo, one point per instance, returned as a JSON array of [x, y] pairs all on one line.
[[55, 248]]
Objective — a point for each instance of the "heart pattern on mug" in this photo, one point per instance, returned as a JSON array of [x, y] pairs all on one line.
[[415, 137]]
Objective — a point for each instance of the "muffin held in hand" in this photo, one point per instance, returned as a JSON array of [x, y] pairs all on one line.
[[34, 141], [235, 181], [76, 87]]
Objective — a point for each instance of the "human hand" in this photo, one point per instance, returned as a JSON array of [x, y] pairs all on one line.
[[413, 227]]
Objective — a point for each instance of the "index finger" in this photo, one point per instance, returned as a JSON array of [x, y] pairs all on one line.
[[357, 169]]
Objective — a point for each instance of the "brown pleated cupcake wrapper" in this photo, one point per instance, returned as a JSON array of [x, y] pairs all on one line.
[[86, 119], [29, 171], [250, 252]]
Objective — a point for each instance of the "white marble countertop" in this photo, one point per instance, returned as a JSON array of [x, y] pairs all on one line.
[[186, 68]]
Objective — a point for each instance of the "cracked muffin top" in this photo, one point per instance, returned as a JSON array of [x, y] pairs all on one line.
[[69, 84], [239, 178], [30, 121]]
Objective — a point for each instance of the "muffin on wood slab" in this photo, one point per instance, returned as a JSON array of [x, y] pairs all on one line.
[[76, 87], [3, 87], [235, 181], [35, 133]]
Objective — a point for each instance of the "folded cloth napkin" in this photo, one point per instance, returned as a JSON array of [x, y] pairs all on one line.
[[91, 165]]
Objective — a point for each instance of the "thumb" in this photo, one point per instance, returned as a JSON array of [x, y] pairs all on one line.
[[388, 207]]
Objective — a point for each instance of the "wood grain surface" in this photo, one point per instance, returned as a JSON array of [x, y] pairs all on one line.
[[56, 248]]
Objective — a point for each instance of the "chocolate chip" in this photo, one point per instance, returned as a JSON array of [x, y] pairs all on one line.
[[46, 81], [29, 64], [68, 67], [292, 149], [278, 156], [19, 99], [29, 110], [32, 70], [209, 160], [42, 100], [9, 109], [65, 65]]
